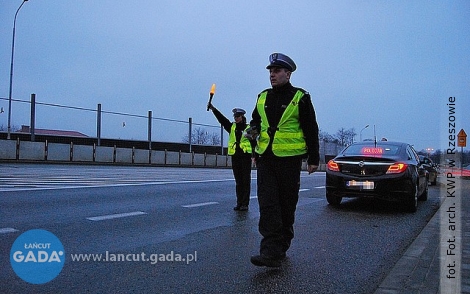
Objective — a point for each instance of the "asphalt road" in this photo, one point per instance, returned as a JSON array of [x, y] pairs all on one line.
[[167, 213]]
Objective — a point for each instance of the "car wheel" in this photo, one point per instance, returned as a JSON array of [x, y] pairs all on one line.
[[333, 199], [412, 201], [424, 196]]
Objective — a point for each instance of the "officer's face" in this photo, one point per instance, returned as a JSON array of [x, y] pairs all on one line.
[[238, 118], [278, 76]]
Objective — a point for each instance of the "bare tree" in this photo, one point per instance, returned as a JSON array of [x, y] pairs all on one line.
[[214, 139], [345, 137], [325, 137], [351, 135], [200, 136]]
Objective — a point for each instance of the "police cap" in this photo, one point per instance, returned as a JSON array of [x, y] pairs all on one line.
[[238, 111], [281, 60]]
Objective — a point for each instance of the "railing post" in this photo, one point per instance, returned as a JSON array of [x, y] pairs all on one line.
[[150, 129], [190, 139], [98, 124], [33, 116]]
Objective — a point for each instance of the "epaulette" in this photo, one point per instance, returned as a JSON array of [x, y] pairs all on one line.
[[303, 91]]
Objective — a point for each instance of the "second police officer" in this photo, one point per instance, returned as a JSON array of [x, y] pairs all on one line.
[[240, 149]]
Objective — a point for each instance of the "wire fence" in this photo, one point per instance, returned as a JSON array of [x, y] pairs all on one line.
[[113, 124], [120, 125]]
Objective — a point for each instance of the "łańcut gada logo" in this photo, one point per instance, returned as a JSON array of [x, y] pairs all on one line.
[[37, 256]]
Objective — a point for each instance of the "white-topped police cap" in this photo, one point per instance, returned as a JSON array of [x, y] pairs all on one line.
[[281, 60], [238, 111]]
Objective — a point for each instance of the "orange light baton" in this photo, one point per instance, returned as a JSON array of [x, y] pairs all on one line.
[[212, 92]]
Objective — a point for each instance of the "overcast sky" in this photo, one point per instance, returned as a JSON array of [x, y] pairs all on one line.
[[388, 64]]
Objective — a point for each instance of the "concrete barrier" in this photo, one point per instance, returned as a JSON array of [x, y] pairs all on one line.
[[158, 157], [199, 159], [58, 152], [186, 158], [221, 160], [124, 155], [7, 149], [172, 158], [32, 150], [141, 156], [211, 160], [104, 154], [82, 153]]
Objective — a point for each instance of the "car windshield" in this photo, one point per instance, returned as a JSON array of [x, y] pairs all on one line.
[[371, 150]]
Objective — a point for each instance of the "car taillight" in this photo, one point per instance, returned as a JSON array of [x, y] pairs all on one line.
[[397, 168], [333, 166]]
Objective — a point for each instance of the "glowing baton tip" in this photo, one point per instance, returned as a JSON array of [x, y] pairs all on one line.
[[213, 89]]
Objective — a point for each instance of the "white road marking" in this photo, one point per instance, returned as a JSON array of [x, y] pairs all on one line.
[[86, 184], [118, 215], [303, 190], [320, 187], [199, 204], [7, 230]]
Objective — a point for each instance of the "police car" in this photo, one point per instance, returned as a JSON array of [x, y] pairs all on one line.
[[385, 170]]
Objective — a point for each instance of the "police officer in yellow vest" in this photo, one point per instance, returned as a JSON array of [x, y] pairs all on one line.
[[240, 148], [284, 124]]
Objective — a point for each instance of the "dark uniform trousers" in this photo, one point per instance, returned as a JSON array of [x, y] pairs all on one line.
[[241, 166], [278, 194]]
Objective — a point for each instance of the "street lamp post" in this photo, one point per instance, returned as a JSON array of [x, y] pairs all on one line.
[[11, 70], [360, 133]]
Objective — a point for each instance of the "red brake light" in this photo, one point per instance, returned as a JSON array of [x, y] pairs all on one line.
[[333, 166], [397, 168]]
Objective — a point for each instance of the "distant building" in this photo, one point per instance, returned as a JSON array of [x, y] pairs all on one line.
[[27, 130]]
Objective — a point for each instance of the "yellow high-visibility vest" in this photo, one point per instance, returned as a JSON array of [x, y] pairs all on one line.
[[245, 144], [289, 138]]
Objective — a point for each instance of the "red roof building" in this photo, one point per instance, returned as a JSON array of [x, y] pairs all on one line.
[[27, 129]]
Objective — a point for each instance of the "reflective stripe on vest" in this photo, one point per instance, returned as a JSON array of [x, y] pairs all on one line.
[[245, 144], [289, 138]]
